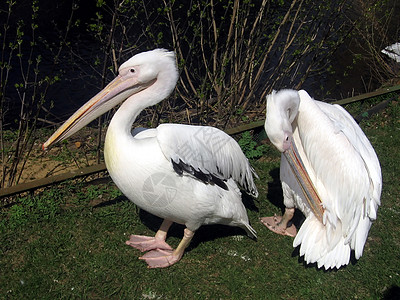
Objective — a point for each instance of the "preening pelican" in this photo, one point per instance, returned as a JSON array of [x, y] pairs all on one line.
[[185, 174], [329, 171]]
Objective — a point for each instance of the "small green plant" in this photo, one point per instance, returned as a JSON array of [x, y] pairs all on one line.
[[249, 146], [18, 215], [114, 191], [35, 208], [94, 191]]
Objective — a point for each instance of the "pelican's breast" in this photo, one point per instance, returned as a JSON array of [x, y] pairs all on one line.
[[138, 167]]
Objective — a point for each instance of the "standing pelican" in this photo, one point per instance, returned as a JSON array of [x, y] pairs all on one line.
[[329, 171], [184, 174]]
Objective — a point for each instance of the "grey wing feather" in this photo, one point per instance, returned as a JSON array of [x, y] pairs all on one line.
[[207, 150]]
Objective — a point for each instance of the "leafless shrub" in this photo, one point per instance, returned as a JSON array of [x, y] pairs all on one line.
[[376, 25], [22, 59]]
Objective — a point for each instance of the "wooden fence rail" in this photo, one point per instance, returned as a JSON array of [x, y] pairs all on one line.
[[43, 182], [35, 184]]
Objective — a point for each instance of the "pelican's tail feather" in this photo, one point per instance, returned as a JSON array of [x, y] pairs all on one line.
[[250, 230], [360, 236], [322, 244]]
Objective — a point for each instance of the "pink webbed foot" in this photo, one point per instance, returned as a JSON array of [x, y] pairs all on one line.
[[274, 224], [160, 258], [146, 243]]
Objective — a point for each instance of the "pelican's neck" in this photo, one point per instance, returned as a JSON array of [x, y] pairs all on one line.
[[119, 137], [126, 115]]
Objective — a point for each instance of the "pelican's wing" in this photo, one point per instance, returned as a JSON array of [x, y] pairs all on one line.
[[348, 178], [359, 222], [207, 153], [345, 123]]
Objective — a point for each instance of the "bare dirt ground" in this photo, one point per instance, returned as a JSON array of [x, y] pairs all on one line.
[[77, 152]]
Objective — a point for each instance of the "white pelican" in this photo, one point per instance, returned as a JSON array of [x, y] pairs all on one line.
[[184, 174], [329, 171], [393, 51]]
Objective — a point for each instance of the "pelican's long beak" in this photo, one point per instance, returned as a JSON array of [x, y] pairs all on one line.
[[114, 93], [300, 172]]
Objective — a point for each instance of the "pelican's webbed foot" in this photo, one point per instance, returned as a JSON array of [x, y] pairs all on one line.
[[159, 258], [276, 225], [146, 243]]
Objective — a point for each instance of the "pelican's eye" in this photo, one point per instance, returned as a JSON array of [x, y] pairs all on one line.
[[132, 70]]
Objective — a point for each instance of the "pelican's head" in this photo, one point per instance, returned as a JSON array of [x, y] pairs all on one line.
[[154, 71], [147, 68], [282, 108]]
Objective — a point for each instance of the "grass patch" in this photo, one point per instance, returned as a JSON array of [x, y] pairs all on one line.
[[68, 242]]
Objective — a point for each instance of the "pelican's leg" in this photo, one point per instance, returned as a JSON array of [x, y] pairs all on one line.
[[161, 258], [279, 224], [145, 243]]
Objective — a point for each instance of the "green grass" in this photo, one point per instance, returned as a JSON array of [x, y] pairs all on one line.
[[67, 242]]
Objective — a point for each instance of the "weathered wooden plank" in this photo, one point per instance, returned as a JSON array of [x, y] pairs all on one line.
[[43, 182], [368, 95], [245, 127], [373, 110]]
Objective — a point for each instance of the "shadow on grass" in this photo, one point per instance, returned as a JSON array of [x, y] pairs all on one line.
[[205, 233], [275, 197], [296, 252], [275, 194], [114, 201], [392, 293]]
